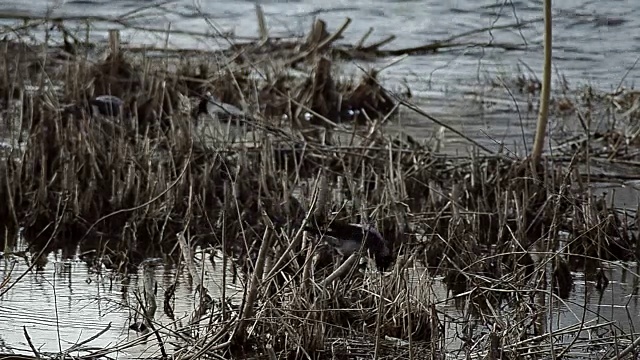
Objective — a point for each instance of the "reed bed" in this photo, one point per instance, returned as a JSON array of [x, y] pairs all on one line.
[[503, 233]]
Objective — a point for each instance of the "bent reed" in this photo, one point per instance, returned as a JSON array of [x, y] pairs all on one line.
[[499, 234]]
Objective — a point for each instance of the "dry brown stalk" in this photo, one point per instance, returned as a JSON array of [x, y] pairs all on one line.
[[239, 333], [481, 221], [262, 24], [318, 42], [187, 255], [545, 93]]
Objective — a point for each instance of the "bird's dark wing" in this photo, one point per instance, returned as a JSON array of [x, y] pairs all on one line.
[[107, 105], [313, 230], [374, 241]]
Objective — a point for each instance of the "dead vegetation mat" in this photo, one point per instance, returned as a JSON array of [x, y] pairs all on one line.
[[127, 195], [492, 225]]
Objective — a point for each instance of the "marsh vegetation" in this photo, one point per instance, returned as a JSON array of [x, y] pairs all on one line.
[[157, 181]]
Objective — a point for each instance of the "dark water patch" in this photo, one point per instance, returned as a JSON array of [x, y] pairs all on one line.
[[191, 12], [609, 22], [594, 20], [317, 12], [578, 58], [407, 2], [457, 10], [80, 2], [507, 5], [273, 1]]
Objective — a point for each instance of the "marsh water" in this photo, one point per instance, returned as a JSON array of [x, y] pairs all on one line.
[[593, 44], [68, 303]]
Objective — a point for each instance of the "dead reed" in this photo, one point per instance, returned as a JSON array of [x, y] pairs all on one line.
[[503, 236]]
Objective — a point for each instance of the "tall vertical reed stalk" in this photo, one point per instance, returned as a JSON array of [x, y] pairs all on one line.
[[545, 93]]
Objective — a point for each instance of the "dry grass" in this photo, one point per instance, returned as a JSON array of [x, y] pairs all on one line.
[[503, 237]]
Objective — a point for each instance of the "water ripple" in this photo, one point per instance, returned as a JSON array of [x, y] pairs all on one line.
[[583, 29]]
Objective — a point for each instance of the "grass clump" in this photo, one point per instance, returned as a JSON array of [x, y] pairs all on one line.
[[504, 237]]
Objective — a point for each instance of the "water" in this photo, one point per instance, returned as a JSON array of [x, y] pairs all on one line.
[[68, 303], [593, 44]]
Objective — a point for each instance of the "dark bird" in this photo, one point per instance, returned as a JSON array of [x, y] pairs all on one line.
[[348, 238], [215, 107], [106, 105], [230, 120], [139, 327], [349, 114]]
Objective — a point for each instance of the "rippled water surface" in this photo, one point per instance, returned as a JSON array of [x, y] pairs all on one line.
[[593, 44], [68, 303]]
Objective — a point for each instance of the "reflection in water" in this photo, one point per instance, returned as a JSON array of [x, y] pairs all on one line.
[[587, 42], [586, 309], [67, 303]]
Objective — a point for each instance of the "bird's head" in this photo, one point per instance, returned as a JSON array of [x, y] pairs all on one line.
[[202, 107]]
